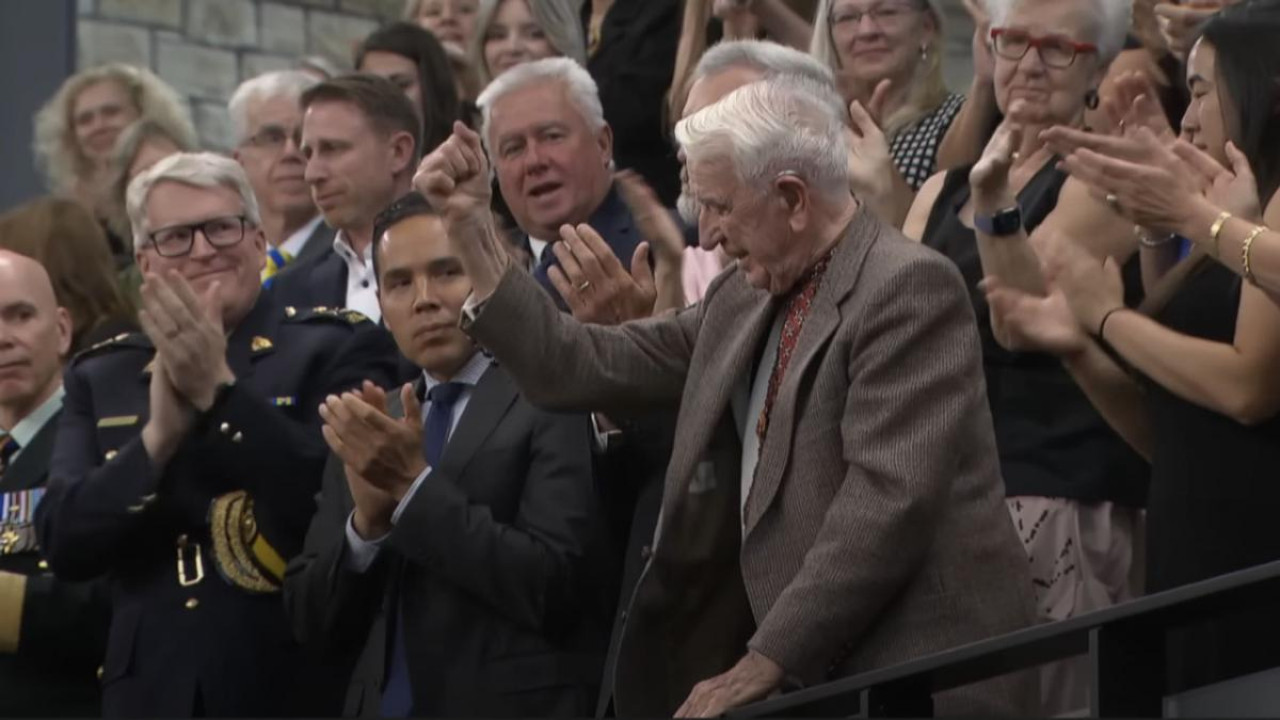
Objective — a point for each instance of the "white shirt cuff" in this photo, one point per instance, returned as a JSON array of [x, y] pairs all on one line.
[[363, 552], [408, 496]]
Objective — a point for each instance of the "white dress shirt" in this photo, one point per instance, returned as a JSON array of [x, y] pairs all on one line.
[[30, 426], [295, 242], [364, 552], [362, 284], [754, 409], [537, 248]]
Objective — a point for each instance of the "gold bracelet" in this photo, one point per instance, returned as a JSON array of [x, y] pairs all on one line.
[[1245, 247], [1215, 230]]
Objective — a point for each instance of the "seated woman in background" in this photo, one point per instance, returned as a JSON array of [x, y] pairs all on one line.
[[1189, 378], [65, 238], [511, 32], [1074, 489], [77, 129], [453, 23], [414, 60]]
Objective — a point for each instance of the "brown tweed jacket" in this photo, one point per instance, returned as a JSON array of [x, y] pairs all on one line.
[[877, 530]]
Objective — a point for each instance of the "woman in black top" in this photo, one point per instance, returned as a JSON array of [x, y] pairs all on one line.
[[1075, 489], [1205, 349]]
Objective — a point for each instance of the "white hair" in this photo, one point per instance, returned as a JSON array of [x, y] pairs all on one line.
[[559, 20], [784, 124], [769, 58], [287, 84], [577, 83], [204, 170], [1111, 22]]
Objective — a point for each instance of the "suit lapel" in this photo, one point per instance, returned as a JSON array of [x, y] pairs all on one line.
[[725, 367], [320, 238], [31, 469], [819, 326], [490, 399]]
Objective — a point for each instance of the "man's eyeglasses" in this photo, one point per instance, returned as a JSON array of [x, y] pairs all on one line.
[[274, 138], [1055, 51], [177, 240], [885, 15]]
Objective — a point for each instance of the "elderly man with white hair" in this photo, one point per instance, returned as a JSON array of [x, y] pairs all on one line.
[[833, 503], [196, 439], [267, 119]]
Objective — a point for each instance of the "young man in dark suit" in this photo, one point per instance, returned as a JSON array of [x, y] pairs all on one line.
[[458, 548], [51, 632]]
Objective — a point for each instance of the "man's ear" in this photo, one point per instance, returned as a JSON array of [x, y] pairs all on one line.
[[793, 196], [605, 140], [65, 327], [402, 152]]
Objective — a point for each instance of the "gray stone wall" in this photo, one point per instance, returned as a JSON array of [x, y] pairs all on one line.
[[205, 48]]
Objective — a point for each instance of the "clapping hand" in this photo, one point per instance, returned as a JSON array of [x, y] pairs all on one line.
[[1179, 25], [1131, 105], [188, 336], [1091, 288], [383, 451], [989, 177], [1025, 322], [593, 282]]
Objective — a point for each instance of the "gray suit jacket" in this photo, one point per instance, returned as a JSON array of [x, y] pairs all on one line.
[[877, 531], [321, 239]]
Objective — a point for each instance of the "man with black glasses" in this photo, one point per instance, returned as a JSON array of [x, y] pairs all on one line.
[[189, 455]]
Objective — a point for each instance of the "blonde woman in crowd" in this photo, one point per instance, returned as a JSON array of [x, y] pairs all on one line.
[[76, 130], [869, 42], [453, 22], [511, 32]]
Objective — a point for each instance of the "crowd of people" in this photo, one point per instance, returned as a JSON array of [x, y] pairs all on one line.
[[642, 358]]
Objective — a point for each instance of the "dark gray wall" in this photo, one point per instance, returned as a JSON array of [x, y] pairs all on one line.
[[37, 52]]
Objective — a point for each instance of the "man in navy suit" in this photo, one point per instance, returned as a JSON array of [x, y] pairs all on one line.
[[360, 136], [553, 155]]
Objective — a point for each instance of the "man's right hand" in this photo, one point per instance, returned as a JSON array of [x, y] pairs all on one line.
[[454, 178], [170, 417]]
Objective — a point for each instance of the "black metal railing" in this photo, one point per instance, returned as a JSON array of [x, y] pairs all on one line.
[[1125, 645]]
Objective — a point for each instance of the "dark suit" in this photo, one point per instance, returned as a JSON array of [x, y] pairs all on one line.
[[63, 629], [498, 562], [613, 221], [205, 634], [633, 68], [320, 240], [319, 281]]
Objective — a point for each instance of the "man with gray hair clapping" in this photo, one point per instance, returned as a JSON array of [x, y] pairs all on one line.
[[833, 502]]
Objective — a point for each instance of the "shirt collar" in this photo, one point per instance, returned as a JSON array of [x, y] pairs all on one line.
[[346, 252], [30, 426], [295, 242], [470, 373]]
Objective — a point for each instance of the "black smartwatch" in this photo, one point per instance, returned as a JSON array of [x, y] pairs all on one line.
[[1002, 223]]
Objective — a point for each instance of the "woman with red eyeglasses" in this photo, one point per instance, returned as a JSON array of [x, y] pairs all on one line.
[[1075, 490]]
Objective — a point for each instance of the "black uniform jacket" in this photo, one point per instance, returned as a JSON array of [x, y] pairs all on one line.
[[195, 551]]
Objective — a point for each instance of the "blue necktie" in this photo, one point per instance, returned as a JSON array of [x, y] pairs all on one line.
[[397, 692]]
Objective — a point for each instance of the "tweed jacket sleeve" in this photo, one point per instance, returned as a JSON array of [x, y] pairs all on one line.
[[561, 364]]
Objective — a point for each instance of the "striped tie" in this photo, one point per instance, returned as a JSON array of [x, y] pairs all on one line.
[[7, 449], [276, 260]]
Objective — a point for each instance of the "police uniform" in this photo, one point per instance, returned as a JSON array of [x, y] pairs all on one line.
[[195, 554], [51, 632]]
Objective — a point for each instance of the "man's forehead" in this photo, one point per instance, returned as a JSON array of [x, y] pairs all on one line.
[[172, 202], [713, 88], [23, 280], [275, 109], [537, 104]]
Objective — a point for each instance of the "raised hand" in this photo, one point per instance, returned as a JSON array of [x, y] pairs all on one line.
[[188, 335], [1092, 288], [984, 61], [872, 174], [1234, 190], [990, 175], [1131, 105], [169, 418], [1179, 24], [454, 178], [384, 451], [593, 282], [1025, 322]]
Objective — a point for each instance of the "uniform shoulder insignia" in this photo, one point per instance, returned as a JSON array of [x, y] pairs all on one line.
[[123, 340], [325, 314]]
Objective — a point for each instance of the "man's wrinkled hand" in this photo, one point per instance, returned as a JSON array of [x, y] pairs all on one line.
[[754, 677]]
